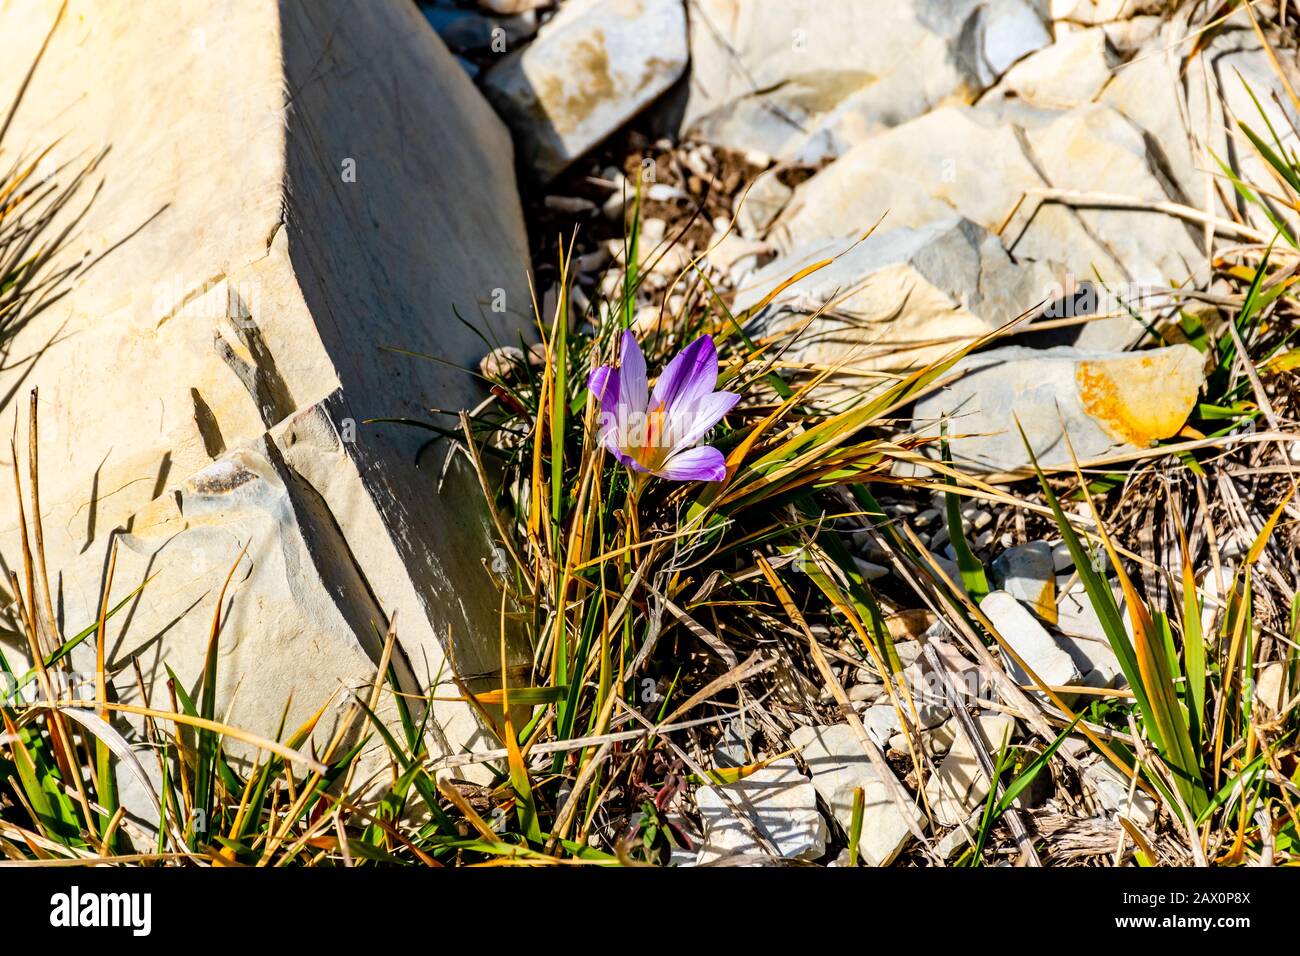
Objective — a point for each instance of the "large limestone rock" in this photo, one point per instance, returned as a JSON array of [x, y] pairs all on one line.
[[993, 172], [1102, 11], [288, 189], [804, 81], [1094, 149], [301, 620], [1066, 74], [1148, 90], [953, 158], [591, 68], [1108, 403], [1190, 107], [898, 298], [1243, 87]]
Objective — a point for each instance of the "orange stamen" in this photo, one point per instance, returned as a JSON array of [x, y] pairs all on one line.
[[650, 454], [656, 427]]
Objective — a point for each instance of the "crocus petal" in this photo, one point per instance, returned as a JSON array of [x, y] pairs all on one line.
[[599, 381], [690, 424], [692, 374], [604, 384], [633, 389], [626, 460], [695, 464]]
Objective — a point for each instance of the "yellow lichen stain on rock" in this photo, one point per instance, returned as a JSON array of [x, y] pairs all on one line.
[[570, 100], [656, 67], [1045, 602], [1143, 397]]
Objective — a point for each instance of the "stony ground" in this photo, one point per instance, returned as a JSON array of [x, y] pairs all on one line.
[[1060, 168], [1002, 568]]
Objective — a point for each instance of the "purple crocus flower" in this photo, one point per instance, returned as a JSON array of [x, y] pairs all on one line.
[[655, 433]]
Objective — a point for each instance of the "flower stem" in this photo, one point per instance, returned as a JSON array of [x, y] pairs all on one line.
[[633, 507]]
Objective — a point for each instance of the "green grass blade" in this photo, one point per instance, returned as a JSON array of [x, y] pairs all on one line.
[[1027, 776], [1193, 651], [855, 824], [1098, 589], [1248, 194], [559, 397], [972, 571]]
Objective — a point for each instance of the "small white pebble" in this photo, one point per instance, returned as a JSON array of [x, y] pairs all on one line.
[[611, 285], [925, 517], [861, 693], [663, 192], [501, 362], [591, 261], [646, 319], [614, 206], [653, 230], [869, 571], [578, 302], [569, 205]]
